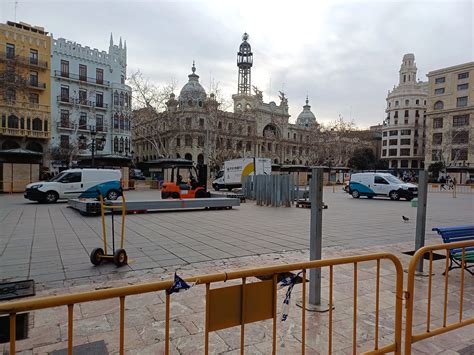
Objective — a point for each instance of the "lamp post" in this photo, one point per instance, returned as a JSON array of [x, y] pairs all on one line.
[[95, 144]]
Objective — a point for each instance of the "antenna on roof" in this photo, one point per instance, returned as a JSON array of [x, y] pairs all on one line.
[[16, 5]]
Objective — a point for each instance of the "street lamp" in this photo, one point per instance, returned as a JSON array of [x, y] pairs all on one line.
[[96, 144]]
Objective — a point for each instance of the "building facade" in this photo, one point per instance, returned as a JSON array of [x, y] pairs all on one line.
[[450, 120], [25, 103], [404, 126], [193, 126], [90, 99]]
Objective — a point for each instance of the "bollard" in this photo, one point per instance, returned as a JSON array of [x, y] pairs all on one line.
[[454, 191], [334, 188], [421, 215]]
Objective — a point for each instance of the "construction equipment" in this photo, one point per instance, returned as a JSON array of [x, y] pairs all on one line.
[[118, 256]]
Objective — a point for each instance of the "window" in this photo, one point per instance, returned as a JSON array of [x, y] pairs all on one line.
[[122, 79], [10, 94], [405, 132], [82, 97], [463, 75], [178, 142], [460, 137], [393, 142], [33, 56], [460, 120], [396, 114], [65, 118], [389, 104], [380, 180], [439, 105], [229, 127], [405, 152], [248, 146], [435, 155], [392, 152], [83, 120], [396, 103], [122, 99], [384, 152], [440, 80], [34, 78], [405, 141], [201, 122], [116, 144], [219, 125], [65, 68], [384, 143], [64, 141], [459, 154], [417, 113], [71, 177], [406, 113], [414, 163], [384, 134], [417, 102], [404, 163], [99, 76], [249, 131], [463, 87], [82, 72], [122, 122], [437, 138], [64, 93], [99, 123], [229, 144], [121, 147], [188, 140], [37, 124], [10, 51], [34, 98], [439, 91], [407, 102], [294, 136], [438, 122], [461, 101], [126, 103], [188, 122], [12, 121], [116, 121], [394, 133], [99, 99], [116, 98]]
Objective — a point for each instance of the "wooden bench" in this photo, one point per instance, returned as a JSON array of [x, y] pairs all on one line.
[[458, 234]]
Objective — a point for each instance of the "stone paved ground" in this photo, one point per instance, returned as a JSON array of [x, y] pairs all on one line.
[[51, 243]]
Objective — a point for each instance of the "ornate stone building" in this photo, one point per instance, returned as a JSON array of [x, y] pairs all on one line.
[[404, 126], [193, 126]]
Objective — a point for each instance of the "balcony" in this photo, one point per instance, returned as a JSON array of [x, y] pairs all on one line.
[[23, 60], [68, 100], [24, 104], [80, 78], [70, 126], [18, 132], [35, 84]]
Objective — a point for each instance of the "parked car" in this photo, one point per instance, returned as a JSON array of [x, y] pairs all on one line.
[[381, 184], [76, 183], [136, 174]]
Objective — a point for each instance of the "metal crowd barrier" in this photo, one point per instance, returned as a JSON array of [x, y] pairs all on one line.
[[237, 304], [410, 337], [455, 189]]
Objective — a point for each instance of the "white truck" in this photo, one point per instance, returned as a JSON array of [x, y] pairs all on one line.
[[235, 170]]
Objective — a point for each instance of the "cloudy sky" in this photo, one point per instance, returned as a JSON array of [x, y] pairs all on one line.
[[344, 54]]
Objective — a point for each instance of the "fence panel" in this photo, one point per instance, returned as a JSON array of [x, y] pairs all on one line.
[[458, 319]]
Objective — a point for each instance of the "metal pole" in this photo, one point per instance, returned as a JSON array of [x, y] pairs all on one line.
[[93, 151], [421, 215], [316, 240]]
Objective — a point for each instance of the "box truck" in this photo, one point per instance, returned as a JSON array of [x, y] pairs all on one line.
[[235, 170]]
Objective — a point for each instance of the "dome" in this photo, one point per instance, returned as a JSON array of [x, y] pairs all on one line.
[[192, 93], [306, 118]]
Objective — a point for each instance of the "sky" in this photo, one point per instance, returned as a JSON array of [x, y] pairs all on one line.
[[345, 55]]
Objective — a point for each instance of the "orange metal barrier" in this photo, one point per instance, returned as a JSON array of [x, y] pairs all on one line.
[[238, 304], [411, 338]]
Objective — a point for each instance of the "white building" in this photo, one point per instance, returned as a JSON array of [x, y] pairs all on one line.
[[88, 94], [404, 126]]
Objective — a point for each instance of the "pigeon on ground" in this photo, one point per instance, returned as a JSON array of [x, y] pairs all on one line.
[[405, 219]]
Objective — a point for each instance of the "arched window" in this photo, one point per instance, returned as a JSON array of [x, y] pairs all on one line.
[[127, 145], [439, 105], [121, 99], [37, 124], [188, 140], [126, 99], [178, 156], [121, 145], [116, 98], [115, 144], [122, 123], [200, 159], [188, 156], [22, 123], [116, 121], [12, 121], [34, 146], [9, 144]]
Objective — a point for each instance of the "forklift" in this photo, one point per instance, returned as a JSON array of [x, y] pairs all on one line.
[[186, 180], [118, 256]]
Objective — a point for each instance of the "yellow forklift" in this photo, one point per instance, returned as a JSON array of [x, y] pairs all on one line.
[[118, 256]]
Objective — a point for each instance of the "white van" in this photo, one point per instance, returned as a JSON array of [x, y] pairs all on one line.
[[381, 184], [76, 183]]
